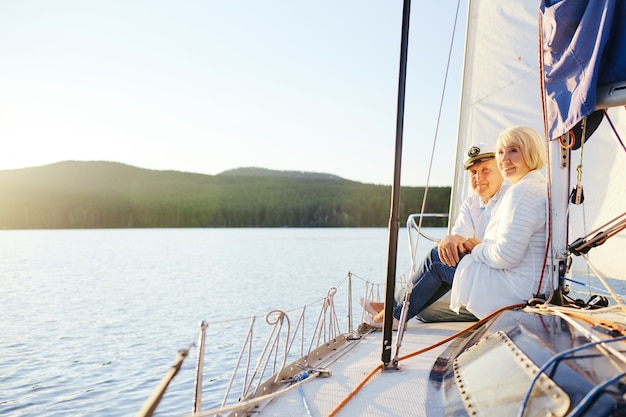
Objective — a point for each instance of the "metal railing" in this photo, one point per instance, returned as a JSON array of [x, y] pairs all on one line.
[[414, 230]]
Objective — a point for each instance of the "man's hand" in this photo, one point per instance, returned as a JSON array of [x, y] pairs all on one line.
[[450, 247]]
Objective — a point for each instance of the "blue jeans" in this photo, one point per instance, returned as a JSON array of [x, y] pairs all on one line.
[[432, 280]]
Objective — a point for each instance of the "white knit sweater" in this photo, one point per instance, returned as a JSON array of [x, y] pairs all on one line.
[[505, 268]]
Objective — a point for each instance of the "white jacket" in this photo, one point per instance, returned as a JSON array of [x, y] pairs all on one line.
[[474, 214], [505, 268]]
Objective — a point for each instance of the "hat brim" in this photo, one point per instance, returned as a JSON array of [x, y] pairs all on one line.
[[479, 158]]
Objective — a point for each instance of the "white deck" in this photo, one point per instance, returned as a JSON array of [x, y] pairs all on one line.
[[392, 393]]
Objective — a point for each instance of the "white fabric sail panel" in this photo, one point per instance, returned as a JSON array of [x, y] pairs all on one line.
[[604, 186], [500, 86]]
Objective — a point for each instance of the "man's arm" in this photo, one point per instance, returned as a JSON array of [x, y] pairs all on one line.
[[450, 247]]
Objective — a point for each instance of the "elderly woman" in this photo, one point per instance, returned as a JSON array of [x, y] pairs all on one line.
[[505, 267]]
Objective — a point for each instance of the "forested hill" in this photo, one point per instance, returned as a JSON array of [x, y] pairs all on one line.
[[112, 195]]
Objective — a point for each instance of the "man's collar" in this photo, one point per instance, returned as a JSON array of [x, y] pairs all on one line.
[[505, 186]]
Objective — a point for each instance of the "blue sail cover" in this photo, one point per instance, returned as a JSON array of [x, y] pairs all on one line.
[[583, 47]]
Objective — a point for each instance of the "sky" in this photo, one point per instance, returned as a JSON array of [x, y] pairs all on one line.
[[205, 86]]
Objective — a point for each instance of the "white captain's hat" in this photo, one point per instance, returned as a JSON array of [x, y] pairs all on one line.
[[478, 153]]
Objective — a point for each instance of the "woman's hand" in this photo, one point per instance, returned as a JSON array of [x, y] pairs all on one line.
[[469, 244]]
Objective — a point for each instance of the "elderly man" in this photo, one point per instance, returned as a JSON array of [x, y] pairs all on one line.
[[488, 185]]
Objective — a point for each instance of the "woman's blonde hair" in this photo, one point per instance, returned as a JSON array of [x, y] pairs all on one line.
[[530, 144]]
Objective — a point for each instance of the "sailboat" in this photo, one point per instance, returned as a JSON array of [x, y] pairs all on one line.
[[556, 66]]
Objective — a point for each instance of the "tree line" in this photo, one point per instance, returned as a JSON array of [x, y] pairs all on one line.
[[70, 195]]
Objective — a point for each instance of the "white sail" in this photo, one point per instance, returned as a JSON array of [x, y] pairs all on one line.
[[583, 58], [501, 88], [500, 78], [604, 187]]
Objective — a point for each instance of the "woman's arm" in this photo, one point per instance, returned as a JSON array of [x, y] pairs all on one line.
[[521, 214]]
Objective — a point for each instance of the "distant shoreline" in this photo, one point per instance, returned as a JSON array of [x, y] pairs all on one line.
[[103, 195]]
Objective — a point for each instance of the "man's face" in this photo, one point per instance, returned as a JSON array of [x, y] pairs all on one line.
[[485, 178]]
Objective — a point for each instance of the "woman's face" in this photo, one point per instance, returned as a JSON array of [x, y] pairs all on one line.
[[511, 162]]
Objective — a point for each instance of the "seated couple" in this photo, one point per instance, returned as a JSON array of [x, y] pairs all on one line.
[[494, 256]]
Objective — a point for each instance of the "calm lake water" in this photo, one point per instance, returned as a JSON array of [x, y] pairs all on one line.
[[93, 319]]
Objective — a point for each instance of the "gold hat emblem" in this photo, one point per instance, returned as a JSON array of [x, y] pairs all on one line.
[[473, 151]]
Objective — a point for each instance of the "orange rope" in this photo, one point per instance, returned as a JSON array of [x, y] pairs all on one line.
[[418, 352], [609, 324]]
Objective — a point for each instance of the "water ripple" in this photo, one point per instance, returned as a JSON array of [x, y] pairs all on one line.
[[92, 319]]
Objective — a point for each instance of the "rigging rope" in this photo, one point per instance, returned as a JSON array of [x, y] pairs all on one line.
[[592, 322], [591, 395], [300, 377], [248, 403], [430, 166], [373, 372], [432, 153], [608, 287], [583, 244], [549, 241], [558, 357], [591, 287], [619, 139], [566, 315], [577, 196]]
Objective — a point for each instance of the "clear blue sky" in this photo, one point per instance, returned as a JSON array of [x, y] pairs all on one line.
[[206, 86]]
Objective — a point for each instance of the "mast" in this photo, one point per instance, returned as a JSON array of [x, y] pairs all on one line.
[[394, 216]]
